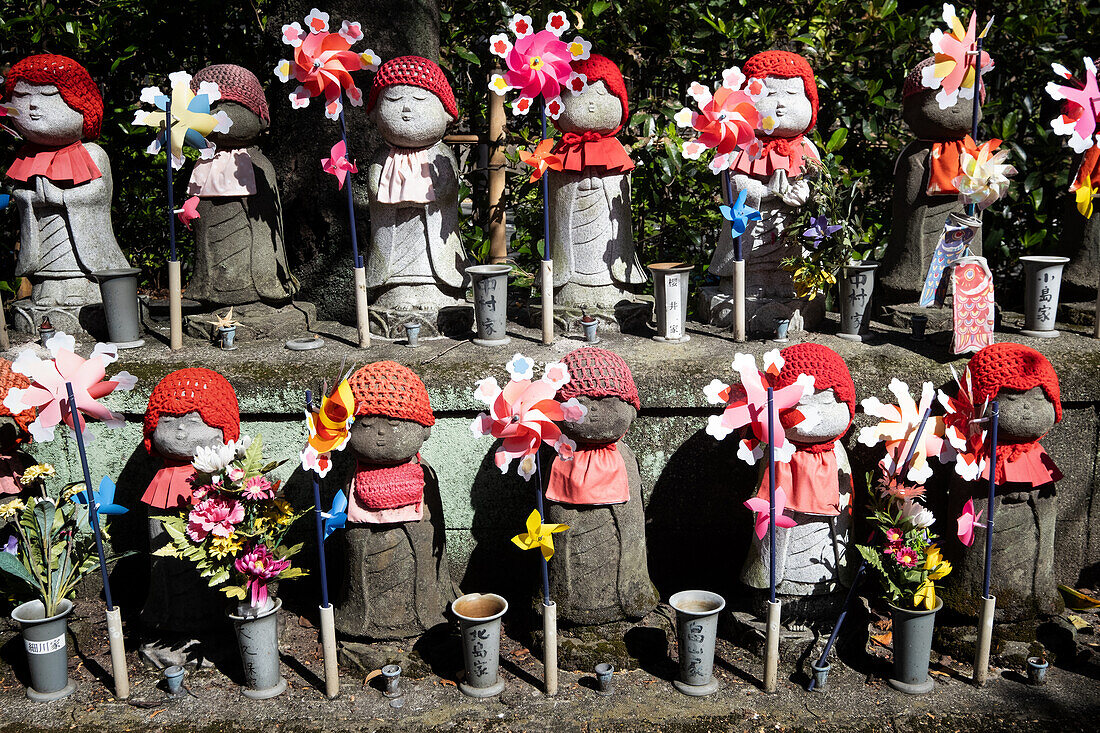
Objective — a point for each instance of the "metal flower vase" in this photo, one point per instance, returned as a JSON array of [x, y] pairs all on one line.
[[912, 636], [1042, 284], [479, 617], [258, 640], [120, 306], [696, 631], [490, 283], [47, 649], [857, 283]]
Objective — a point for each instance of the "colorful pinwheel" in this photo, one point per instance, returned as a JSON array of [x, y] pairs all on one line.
[[747, 406], [190, 120], [984, 174], [820, 230], [1079, 121], [538, 63], [104, 498], [763, 512], [329, 429], [323, 63], [963, 427], [47, 391], [726, 120], [542, 159], [898, 426], [953, 73], [539, 535], [188, 212], [966, 523], [338, 164], [739, 215], [523, 414], [337, 516]]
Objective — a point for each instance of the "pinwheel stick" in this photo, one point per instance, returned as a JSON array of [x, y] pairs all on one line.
[[972, 208], [916, 441], [175, 279], [362, 311], [114, 618], [546, 272], [328, 627], [839, 622], [738, 269], [549, 608], [771, 657], [989, 602]]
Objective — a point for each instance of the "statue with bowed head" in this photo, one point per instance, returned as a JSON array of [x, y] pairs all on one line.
[[396, 580], [777, 183], [416, 263], [63, 189], [14, 433], [812, 556], [600, 572], [239, 252], [192, 414], [595, 266]]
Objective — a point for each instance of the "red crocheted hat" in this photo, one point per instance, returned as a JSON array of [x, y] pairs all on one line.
[[235, 84], [9, 379], [600, 68], [914, 85], [595, 372], [827, 368], [71, 79], [419, 72], [1014, 366], [785, 65], [390, 389], [194, 390]]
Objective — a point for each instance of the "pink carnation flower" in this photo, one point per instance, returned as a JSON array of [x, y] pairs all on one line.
[[258, 488], [259, 566], [214, 516]]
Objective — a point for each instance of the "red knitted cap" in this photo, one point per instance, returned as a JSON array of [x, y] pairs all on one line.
[[595, 372], [235, 84], [9, 379], [827, 368], [194, 390], [785, 65], [1014, 366], [600, 68], [914, 85], [417, 71], [392, 390], [71, 79]]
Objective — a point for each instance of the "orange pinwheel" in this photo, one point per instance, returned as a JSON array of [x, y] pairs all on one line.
[[329, 428], [541, 159]]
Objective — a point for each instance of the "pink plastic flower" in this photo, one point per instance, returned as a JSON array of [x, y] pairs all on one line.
[[1079, 123], [893, 535], [762, 507], [257, 488], [967, 521], [538, 63], [906, 557], [259, 566], [215, 516]]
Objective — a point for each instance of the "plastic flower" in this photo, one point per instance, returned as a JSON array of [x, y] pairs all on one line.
[[338, 164], [542, 159], [747, 406], [212, 459], [762, 507], [1083, 193], [898, 427], [539, 535], [966, 523], [190, 120], [103, 497], [983, 177], [35, 472], [739, 215], [523, 414], [915, 514], [221, 547], [893, 534], [820, 230], [937, 568], [906, 557], [11, 509], [953, 71], [282, 512], [1079, 122], [963, 427], [324, 62], [215, 516], [48, 394], [259, 567], [257, 488], [329, 428], [538, 63], [11, 546], [899, 488], [726, 120]]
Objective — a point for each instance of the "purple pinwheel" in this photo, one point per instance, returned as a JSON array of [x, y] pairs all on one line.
[[739, 215], [820, 230]]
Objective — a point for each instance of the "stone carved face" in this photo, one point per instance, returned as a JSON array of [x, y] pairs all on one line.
[[1024, 416], [410, 117], [833, 422], [923, 116], [381, 439], [787, 102], [177, 436], [43, 116], [607, 420], [245, 130], [9, 433], [593, 109]]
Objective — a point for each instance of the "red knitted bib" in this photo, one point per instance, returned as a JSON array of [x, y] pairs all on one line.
[[389, 487]]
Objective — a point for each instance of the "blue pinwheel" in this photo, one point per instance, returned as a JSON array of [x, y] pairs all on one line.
[[5, 199], [739, 215], [104, 498], [337, 515], [820, 230]]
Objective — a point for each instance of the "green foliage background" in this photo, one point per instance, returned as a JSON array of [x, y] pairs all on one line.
[[861, 52]]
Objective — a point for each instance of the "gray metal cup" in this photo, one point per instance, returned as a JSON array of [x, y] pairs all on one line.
[[696, 630], [120, 306], [479, 617], [490, 303], [258, 639], [47, 649], [1042, 284]]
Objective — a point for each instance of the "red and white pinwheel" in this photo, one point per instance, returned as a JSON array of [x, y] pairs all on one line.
[[763, 512], [966, 523], [898, 428], [323, 62], [338, 164], [963, 427], [1079, 121], [523, 414], [726, 120], [538, 63], [747, 407], [953, 72], [48, 394]]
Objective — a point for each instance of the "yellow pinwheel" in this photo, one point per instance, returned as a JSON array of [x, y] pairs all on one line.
[[539, 535], [191, 120], [1084, 196]]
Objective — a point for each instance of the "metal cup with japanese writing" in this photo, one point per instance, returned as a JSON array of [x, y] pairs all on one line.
[[1042, 284], [857, 282], [479, 617], [490, 303], [696, 629], [670, 292], [47, 650]]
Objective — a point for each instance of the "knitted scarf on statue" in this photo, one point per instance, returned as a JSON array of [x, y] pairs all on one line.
[[389, 487], [171, 486], [596, 475], [810, 480], [1024, 463], [592, 149], [70, 163]]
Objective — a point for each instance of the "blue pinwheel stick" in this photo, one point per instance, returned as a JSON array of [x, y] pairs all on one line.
[[545, 563], [545, 214], [171, 196], [351, 201], [327, 522]]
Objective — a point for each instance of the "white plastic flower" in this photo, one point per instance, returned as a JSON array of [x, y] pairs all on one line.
[[520, 25], [700, 93], [557, 23], [580, 49], [520, 367], [916, 514], [732, 78], [213, 459]]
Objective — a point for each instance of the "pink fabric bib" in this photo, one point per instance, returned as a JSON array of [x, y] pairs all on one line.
[[778, 154], [69, 163], [595, 476], [810, 480], [406, 177], [228, 173], [1025, 463]]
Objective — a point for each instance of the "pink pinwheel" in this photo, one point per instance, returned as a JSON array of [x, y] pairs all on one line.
[[726, 120], [953, 72], [1079, 121], [323, 62], [763, 513], [188, 212], [538, 63], [967, 521], [523, 414], [963, 428], [747, 406], [338, 164], [48, 394], [898, 428]]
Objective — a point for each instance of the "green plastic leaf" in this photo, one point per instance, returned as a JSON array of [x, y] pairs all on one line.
[[11, 565]]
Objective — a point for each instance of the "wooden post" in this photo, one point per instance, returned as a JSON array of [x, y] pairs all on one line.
[[498, 239]]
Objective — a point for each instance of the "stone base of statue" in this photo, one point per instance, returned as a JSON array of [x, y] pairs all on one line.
[[258, 322], [628, 316], [624, 644], [762, 314], [750, 632], [455, 322], [27, 317], [1080, 314], [438, 649]]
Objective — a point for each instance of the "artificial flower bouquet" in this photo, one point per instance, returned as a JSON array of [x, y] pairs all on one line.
[[235, 527]]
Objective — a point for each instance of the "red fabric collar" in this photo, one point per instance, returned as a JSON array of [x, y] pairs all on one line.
[[171, 486], [596, 476], [780, 153], [593, 149], [389, 487], [69, 163], [1024, 463]]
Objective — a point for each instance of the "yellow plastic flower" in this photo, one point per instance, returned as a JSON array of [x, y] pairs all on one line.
[[934, 563], [222, 546], [1084, 196], [36, 472], [9, 510], [282, 513], [72, 491]]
